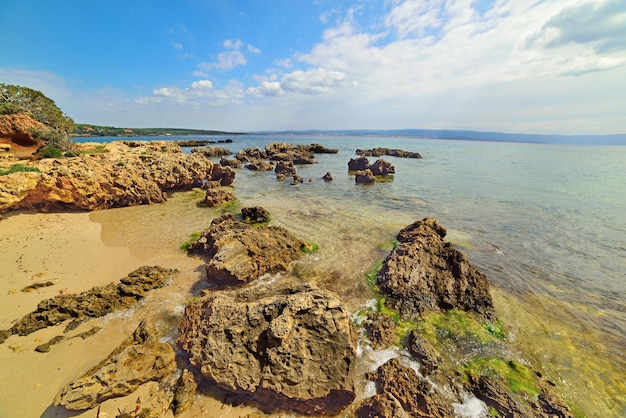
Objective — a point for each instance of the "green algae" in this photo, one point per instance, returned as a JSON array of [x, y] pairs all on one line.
[[309, 247], [457, 326], [186, 246], [519, 378]]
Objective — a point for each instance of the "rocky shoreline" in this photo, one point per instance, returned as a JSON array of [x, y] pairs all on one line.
[[283, 345]]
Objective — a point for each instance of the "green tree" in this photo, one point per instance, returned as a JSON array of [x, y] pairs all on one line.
[[18, 99], [58, 126]]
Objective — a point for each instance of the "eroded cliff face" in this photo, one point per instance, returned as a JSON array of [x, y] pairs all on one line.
[[16, 133], [126, 174]]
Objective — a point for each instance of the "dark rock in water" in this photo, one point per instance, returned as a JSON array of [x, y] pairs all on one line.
[[285, 168], [215, 197], [283, 346], [382, 168], [381, 330], [211, 152], [296, 180], [416, 396], [364, 177], [356, 164], [425, 273], [496, 392], [423, 351], [184, 392], [328, 177], [255, 215], [377, 152], [238, 253], [139, 359], [259, 165], [230, 163], [320, 149], [95, 302], [381, 405], [193, 142]]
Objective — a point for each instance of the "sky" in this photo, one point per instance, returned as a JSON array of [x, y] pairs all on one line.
[[521, 66]]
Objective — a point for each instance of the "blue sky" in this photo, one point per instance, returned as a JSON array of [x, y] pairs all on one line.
[[531, 66]]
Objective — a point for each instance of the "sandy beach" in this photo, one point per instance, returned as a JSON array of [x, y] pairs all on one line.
[[77, 251]]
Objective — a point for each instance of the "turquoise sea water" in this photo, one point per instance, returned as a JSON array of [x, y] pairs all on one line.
[[545, 223]]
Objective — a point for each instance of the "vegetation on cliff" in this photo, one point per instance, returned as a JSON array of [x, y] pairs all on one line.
[[55, 132]]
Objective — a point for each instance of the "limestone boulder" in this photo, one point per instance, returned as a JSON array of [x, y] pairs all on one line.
[[141, 358], [425, 273], [417, 397], [238, 253], [283, 346]]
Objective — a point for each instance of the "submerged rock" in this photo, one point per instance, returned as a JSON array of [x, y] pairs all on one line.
[[255, 215], [238, 253], [139, 359], [425, 273], [416, 396], [93, 303], [286, 346]]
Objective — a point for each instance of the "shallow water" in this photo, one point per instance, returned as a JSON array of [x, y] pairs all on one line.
[[546, 223]]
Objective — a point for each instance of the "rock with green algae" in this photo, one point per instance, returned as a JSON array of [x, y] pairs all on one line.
[[423, 273], [238, 253]]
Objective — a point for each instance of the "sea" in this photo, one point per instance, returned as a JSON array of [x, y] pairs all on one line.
[[546, 223]]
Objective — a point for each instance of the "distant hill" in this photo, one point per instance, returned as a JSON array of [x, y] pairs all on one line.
[[82, 129], [616, 139]]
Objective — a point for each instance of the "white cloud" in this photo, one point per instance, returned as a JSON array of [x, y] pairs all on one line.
[[233, 44]]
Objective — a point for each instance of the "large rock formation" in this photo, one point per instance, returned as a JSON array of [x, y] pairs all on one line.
[[17, 129], [414, 394], [139, 359], [93, 303], [425, 273], [238, 253], [287, 346], [130, 173]]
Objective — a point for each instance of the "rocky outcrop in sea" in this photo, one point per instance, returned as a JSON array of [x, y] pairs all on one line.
[[425, 273], [238, 253]]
